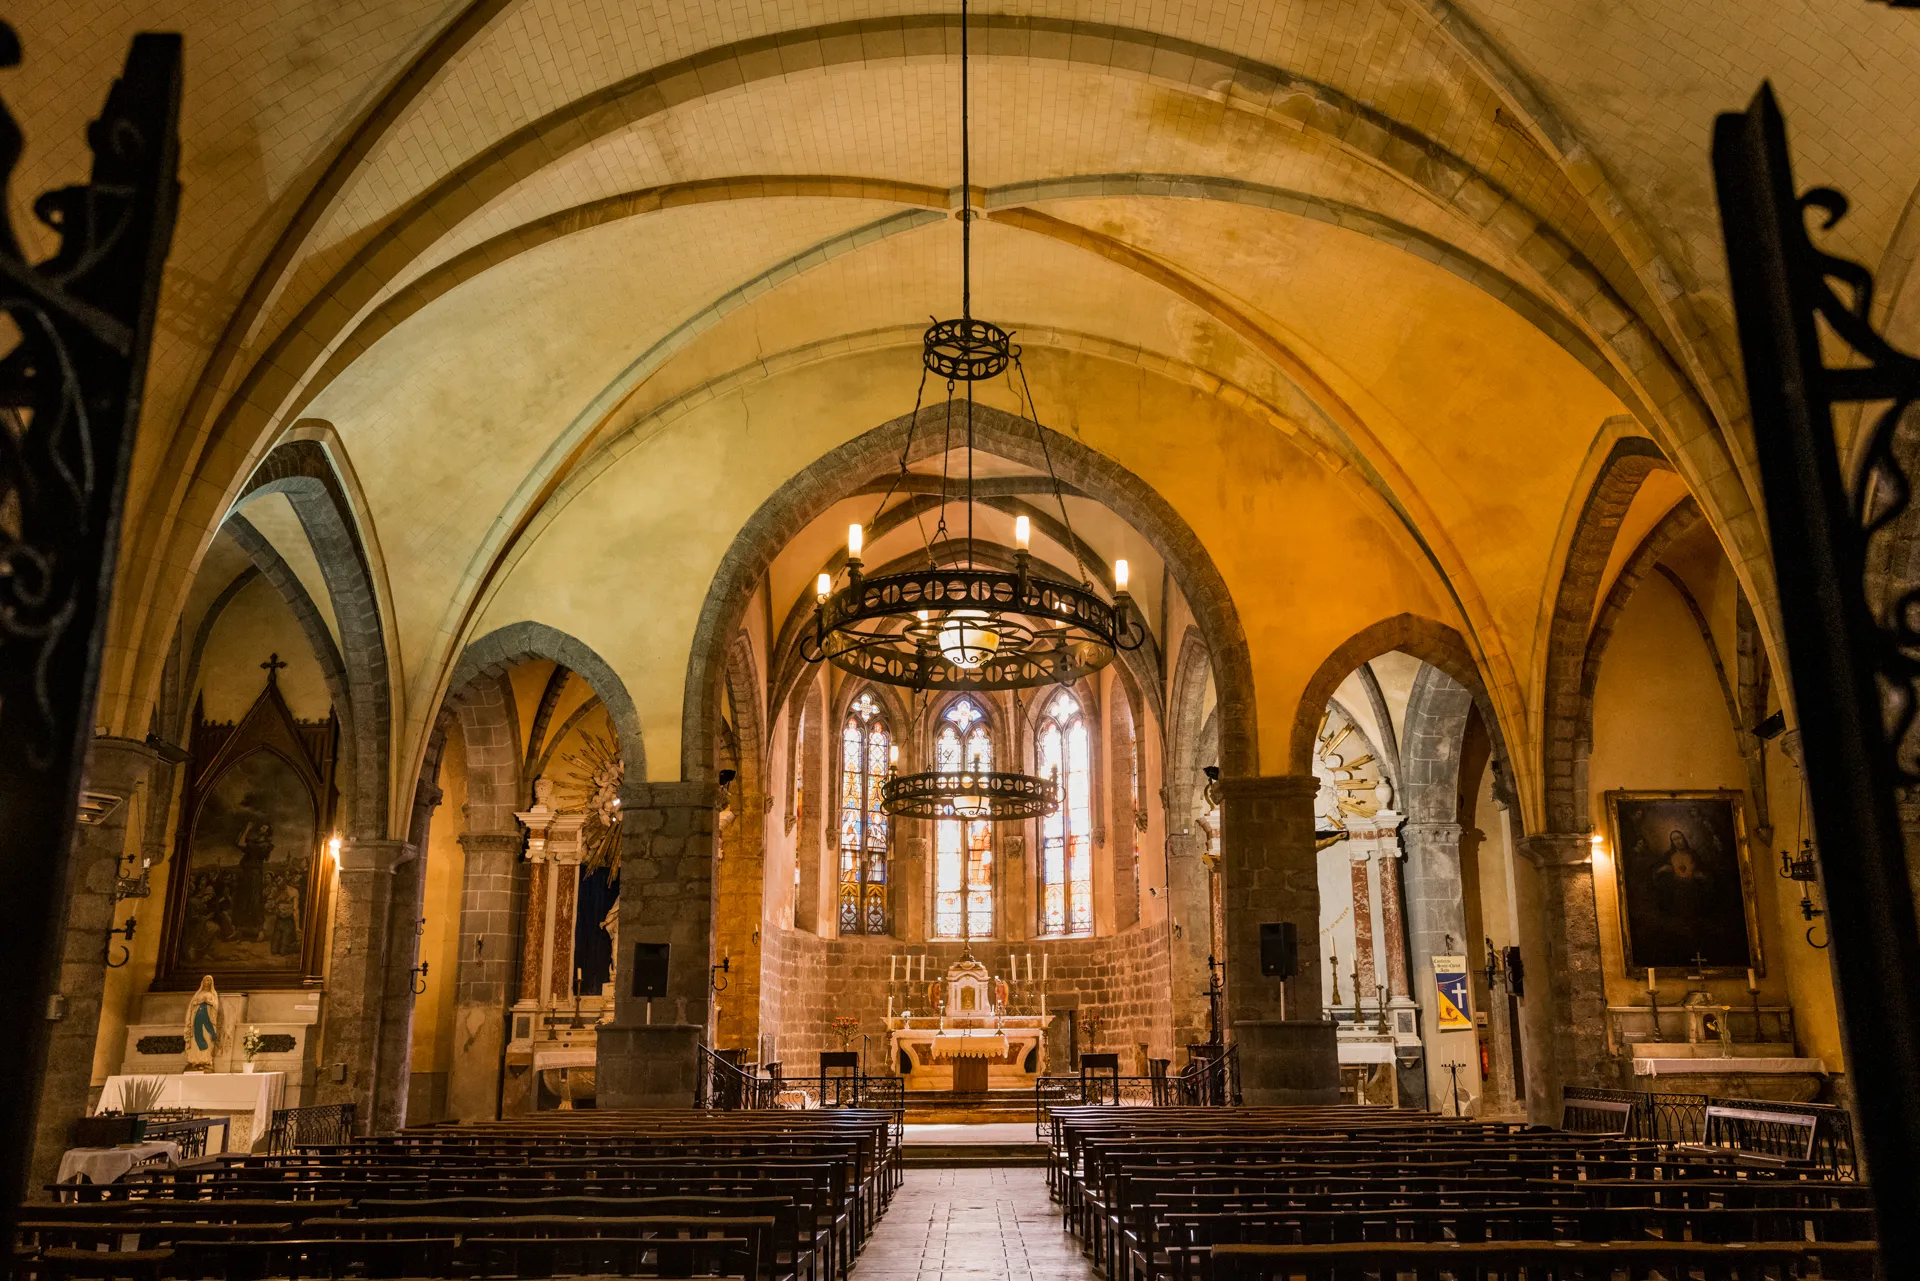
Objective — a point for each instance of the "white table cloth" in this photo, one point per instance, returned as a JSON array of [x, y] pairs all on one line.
[[1729, 1065], [969, 1045], [237, 1094], [105, 1165]]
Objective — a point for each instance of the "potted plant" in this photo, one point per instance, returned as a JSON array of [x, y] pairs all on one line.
[[251, 1044]]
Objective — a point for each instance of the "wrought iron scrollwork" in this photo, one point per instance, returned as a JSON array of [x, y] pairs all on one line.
[[70, 389], [1855, 670]]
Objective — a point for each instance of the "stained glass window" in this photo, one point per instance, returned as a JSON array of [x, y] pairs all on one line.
[[864, 741], [963, 849], [1066, 835]]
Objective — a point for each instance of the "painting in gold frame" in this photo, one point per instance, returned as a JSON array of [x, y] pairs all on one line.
[[1684, 880]]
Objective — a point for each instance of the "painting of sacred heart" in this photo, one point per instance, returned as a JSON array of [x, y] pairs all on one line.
[[246, 880], [1685, 881]]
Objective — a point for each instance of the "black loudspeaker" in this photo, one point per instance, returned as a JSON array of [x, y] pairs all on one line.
[[650, 971], [1279, 950]]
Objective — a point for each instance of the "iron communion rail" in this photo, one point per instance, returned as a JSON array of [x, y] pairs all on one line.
[[1211, 1082], [1756, 1126]]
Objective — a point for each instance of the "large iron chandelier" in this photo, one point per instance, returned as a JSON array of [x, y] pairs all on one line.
[[964, 625], [956, 623]]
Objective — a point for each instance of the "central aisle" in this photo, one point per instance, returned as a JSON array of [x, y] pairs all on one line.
[[977, 1223]]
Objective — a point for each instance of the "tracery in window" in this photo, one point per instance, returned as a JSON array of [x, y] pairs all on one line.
[[1066, 835], [864, 740], [963, 848]]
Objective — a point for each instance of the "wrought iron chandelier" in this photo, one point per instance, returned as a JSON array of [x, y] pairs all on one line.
[[963, 625]]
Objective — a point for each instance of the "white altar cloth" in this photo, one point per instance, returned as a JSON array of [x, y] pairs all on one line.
[[106, 1165], [237, 1094], [1731, 1064], [969, 1045]]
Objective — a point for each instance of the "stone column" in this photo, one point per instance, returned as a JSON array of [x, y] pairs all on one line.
[[1189, 934], [649, 1057], [115, 768], [404, 923], [357, 973], [1566, 1005], [740, 904], [1271, 874], [563, 896], [1437, 925], [487, 968], [1393, 929]]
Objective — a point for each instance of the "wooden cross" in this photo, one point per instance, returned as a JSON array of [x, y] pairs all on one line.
[[273, 666]]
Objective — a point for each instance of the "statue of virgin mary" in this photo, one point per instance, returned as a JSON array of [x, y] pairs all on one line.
[[203, 1027]]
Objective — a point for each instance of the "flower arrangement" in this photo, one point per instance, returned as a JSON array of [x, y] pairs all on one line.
[[252, 1043], [844, 1027]]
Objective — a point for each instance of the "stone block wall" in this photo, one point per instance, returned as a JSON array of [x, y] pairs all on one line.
[[808, 981]]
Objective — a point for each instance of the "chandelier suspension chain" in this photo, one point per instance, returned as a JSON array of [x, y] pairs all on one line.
[[1040, 434]]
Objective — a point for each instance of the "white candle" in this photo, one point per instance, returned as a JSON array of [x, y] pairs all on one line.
[[1651, 985], [1045, 961], [893, 967], [1753, 980], [1043, 1003], [889, 1007]]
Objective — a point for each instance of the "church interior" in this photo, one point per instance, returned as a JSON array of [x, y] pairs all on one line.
[[1293, 664]]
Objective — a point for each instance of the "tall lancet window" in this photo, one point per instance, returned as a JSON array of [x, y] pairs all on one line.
[[1066, 835], [864, 741], [963, 848]]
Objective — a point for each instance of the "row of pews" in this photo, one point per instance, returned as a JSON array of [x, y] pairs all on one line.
[[757, 1196], [1327, 1194]]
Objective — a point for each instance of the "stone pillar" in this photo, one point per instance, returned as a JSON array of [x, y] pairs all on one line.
[[115, 768], [357, 974], [1566, 1005], [404, 911], [1271, 874], [649, 1056], [487, 969], [563, 898], [740, 904], [1437, 925], [1189, 933], [1393, 929]]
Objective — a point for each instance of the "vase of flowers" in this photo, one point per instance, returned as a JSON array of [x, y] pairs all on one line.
[[251, 1044], [844, 1027]]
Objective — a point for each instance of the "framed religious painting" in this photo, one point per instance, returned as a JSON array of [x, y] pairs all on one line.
[[1685, 881], [247, 893]]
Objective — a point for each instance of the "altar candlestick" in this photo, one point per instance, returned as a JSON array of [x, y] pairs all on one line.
[[889, 1007]]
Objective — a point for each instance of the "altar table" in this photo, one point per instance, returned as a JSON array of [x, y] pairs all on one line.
[[248, 1097]]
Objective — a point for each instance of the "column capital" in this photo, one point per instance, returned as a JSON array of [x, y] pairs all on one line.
[[1424, 833], [492, 842], [1557, 849], [359, 855], [1261, 787], [668, 796]]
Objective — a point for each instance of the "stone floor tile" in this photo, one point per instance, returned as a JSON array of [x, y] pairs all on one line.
[[973, 1223]]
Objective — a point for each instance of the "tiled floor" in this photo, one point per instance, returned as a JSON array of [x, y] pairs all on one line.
[[975, 1223]]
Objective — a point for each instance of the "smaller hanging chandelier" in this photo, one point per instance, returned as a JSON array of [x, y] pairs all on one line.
[[970, 794]]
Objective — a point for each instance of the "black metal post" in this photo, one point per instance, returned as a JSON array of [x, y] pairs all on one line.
[[1853, 678], [69, 400]]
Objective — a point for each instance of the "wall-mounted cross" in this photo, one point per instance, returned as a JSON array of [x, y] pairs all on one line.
[[273, 666]]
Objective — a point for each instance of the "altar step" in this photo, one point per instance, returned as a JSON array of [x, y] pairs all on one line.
[[950, 1107], [949, 1156]]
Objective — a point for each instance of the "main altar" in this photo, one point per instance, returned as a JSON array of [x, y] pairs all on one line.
[[968, 1043]]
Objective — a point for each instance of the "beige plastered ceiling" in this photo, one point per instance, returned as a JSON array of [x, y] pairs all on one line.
[[1365, 289]]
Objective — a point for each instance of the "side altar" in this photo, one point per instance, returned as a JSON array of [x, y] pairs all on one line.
[[968, 1043]]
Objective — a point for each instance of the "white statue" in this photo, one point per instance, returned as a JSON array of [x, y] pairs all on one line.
[[203, 1027]]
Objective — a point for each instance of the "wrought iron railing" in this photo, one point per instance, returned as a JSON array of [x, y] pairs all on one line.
[[327, 1123], [187, 1133], [1674, 1119], [1212, 1082], [723, 1087]]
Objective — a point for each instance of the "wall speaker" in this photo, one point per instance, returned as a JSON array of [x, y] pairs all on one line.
[[650, 971], [1279, 950]]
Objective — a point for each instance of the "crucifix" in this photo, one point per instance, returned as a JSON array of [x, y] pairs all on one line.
[[273, 666]]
